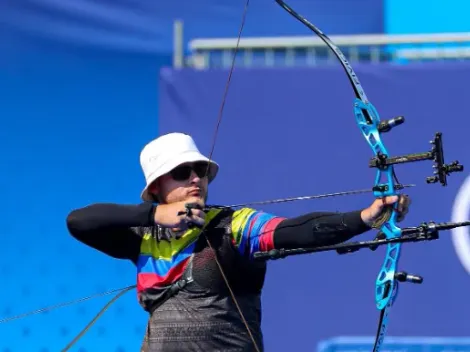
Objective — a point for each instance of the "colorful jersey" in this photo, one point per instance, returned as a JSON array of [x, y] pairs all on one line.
[[162, 262], [202, 316]]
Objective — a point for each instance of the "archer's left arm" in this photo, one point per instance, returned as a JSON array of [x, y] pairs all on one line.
[[258, 231], [318, 229]]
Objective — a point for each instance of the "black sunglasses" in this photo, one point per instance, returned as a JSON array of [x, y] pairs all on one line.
[[183, 172]]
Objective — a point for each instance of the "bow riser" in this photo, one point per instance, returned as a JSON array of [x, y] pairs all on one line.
[[368, 120]]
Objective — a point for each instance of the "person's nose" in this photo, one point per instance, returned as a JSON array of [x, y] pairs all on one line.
[[195, 179]]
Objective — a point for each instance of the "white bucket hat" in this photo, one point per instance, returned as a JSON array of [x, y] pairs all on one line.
[[163, 154]]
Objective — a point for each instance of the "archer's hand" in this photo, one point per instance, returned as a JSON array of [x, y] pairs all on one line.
[[377, 210], [166, 215]]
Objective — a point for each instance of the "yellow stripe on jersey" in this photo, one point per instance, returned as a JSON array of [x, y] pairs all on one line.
[[166, 250], [239, 223]]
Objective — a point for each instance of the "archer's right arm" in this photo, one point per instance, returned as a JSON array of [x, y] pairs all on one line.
[[110, 228]]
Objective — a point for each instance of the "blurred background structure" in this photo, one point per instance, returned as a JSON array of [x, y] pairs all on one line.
[[84, 85]]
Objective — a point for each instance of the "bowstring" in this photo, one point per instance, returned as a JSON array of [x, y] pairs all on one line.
[[219, 120], [227, 85]]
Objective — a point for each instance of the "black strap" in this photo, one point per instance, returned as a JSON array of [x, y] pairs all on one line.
[[175, 287]]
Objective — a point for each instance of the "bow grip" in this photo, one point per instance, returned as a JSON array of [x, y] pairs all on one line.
[[385, 216]]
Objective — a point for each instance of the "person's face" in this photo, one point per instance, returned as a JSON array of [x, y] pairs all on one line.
[[183, 182]]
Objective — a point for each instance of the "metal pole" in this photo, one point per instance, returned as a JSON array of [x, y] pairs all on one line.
[[178, 44]]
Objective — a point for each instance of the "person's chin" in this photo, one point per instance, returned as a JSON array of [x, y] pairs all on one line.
[[199, 196], [196, 195]]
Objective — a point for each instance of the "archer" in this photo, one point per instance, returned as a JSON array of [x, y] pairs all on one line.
[[195, 273]]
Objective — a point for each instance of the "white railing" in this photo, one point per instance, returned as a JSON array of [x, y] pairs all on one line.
[[313, 41], [310, 50]]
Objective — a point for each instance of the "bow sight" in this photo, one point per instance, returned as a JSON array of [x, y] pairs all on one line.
[[442, 170]]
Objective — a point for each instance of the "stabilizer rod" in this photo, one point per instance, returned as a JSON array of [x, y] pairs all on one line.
[[425, 232]]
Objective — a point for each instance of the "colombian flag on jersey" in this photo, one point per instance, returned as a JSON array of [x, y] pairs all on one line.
[[163, 262]]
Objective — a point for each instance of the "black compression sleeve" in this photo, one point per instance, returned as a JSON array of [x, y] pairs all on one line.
[[318, 229], [107, 227]]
